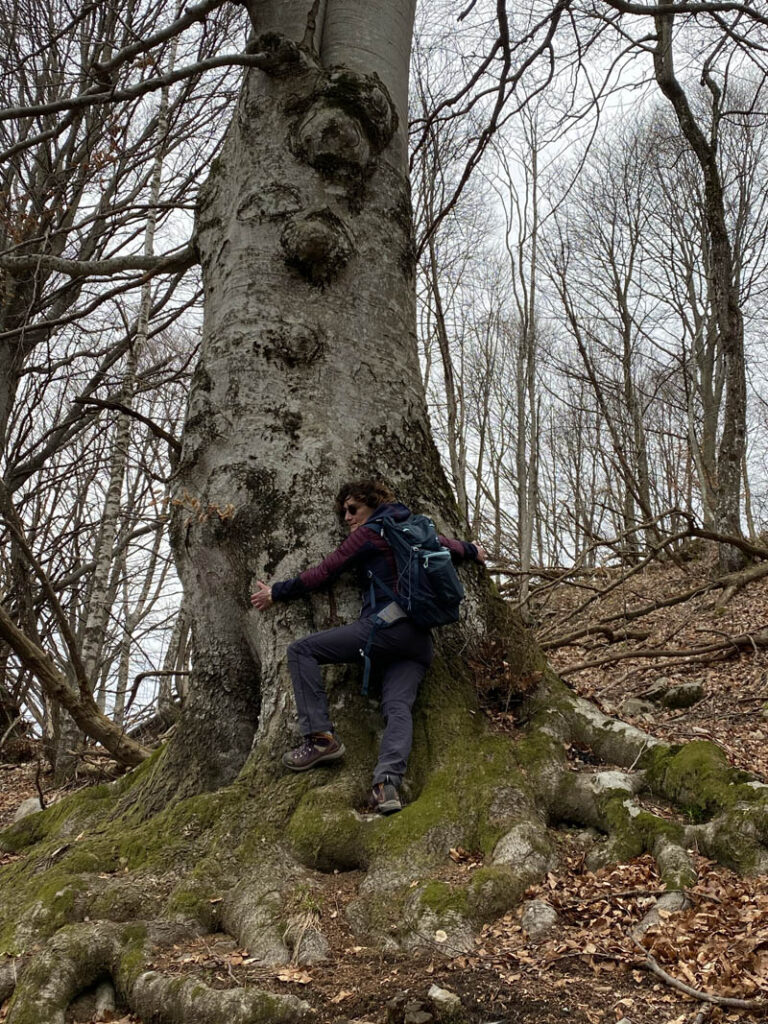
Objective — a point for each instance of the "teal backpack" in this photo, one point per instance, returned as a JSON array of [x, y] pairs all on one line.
[[428, 587], [429, 590]]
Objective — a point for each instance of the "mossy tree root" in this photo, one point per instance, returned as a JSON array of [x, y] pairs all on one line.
[[178, 1001], [79, 956], [10, 971], [469, 792], [481, 792], [253, 858], [726, 809]]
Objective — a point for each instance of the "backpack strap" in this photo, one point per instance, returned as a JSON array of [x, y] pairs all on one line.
[[378, 621]]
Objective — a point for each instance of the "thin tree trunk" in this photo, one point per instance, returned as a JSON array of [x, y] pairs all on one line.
[[456, 445], [725, 297], [68, 741]]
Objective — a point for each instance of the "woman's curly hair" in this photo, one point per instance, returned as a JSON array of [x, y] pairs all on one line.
[[368, 492]]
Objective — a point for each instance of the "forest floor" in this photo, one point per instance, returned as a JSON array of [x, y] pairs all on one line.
[[589, 971]]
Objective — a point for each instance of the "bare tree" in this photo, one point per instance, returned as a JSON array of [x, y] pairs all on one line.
[[81, 193]]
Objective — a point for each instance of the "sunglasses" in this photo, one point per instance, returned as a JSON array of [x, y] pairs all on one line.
[[350, 509]]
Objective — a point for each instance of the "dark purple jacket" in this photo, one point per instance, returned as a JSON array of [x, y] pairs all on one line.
[[366, 551]]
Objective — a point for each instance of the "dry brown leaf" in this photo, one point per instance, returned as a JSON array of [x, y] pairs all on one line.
[[293, 976]]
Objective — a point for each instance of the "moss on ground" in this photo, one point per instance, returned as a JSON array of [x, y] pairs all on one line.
[[133, 955], [73, 884], [67, 817], [327, 836], [462, 777], [538, 750], [736, 837]]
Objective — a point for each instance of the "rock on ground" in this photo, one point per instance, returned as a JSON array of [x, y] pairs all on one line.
[[538, 919]]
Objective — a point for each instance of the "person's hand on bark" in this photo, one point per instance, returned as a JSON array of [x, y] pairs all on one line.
[[262, 598]]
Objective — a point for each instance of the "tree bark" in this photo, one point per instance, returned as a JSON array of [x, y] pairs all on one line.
[[308, 371]]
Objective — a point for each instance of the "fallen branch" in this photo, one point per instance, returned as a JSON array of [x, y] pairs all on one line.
[[77, 700], [625, 894], [654, 552], [731, 646], [731, 583], [754, 550], [755, 1005], [79, 703], [9, 730], [626, 616]]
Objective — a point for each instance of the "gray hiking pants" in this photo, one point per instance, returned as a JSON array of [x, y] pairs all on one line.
[[404, 654]]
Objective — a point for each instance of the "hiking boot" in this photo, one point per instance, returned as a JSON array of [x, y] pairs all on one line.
[[317, 748], [385, 799]]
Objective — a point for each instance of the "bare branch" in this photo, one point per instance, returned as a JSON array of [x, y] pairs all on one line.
[[750, 10], [81, 706], [171, 263], [132, 92], [705, 997], [734, 644], [173, 443]]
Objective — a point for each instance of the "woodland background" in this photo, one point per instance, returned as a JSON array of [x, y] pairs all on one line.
[[570, 304]]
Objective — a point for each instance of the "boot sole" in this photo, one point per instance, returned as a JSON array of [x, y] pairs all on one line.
[[323, 759], [389, 807]]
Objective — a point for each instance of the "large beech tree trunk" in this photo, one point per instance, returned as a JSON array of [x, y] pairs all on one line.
[[308, 372]]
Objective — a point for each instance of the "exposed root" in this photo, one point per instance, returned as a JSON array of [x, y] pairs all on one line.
[[694, 779], [675, 863], [304, 937], [79, 956], [738, 838], [669, 902], [10, 971], [252, 912], [570, 718], [253, 859], [155, 997]]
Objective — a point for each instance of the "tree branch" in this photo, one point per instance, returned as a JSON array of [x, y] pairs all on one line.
[[99, 95], [194, 14], [626, 7], [173, 443], [705, 997], [732, 644], [81, 706], [174, 262]]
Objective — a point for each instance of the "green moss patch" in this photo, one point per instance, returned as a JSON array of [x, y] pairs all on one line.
[[326, 835], [492, 892], [698, 777], [442, 898]]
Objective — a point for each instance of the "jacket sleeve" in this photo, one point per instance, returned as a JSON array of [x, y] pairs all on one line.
[[460, 549], [332, 565]]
